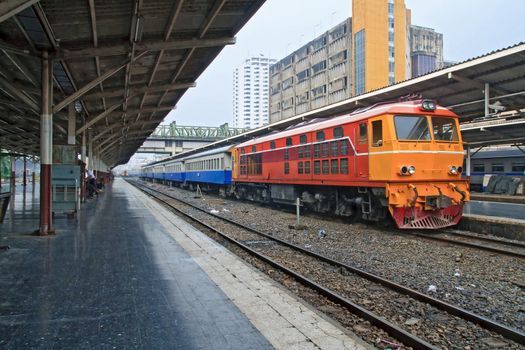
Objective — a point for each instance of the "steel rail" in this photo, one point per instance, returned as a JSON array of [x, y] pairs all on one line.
[[468, 244], [503, 330], [392, 329], [487, 239]]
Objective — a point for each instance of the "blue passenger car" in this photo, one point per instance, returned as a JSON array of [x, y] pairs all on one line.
[[210, 167]]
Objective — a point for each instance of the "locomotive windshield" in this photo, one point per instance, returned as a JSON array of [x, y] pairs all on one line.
[[444, 129], [412, 127]]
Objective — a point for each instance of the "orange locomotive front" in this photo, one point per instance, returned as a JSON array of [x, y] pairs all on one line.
[[402, 160]]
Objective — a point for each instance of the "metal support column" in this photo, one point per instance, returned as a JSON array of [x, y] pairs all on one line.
[[71, 124], [467, 162], [13, 174], [487, 99], [46, 148], [90, 151], [24, 179], [83, 168]]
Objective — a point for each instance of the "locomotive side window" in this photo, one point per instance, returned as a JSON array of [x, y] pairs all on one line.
[[344, 166], [326, 169], [307, 151], [307, 167], [338, 132], [319, 136], [344, 147], [377, 133], [317, 167], [333, 149], [317, 148], [444, 129], [324, 149], [334, 166], [362, 134], [411, 127]]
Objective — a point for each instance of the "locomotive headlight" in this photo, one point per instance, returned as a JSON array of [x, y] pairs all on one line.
[[428, 105], [460, 169], [407, 170], [452, 170]]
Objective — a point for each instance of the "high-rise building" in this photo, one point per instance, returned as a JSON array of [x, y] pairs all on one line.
[[426, 50], [250, 92], [366, 52], [381, 56]]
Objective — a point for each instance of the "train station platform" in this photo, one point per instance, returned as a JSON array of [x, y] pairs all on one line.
[[128, 274]]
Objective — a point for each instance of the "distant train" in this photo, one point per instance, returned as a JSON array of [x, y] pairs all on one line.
[[401, 160], [508, 161]]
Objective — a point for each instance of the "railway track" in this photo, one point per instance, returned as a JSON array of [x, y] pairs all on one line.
[[255, 242], [504, 247]]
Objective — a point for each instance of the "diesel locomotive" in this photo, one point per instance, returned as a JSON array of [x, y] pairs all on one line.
[[399, 160]]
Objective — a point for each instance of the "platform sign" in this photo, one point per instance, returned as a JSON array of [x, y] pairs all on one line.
[[65, 154]]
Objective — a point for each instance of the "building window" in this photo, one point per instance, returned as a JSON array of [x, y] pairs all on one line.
[[338, 132], [319, 136], [287, 168], [300, 168], [272, 144], [498, 168], [334, 164], [377, 133], [286, 154], [307, 167], [359, 59], [302, 139], [317, 167], [333, 149], [254, 149], [299, 152], [344, 166], [326, 169], [362, 134], [289, 141]]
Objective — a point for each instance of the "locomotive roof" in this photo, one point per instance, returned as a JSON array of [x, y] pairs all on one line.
[[409, 107]]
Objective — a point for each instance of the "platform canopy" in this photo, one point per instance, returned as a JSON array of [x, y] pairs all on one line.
[[121, 66], [460, 87]]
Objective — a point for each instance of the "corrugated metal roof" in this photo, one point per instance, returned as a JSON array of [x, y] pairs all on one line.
[[161, 46]]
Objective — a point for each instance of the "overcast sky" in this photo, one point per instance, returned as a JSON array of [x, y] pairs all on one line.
[[470, 28]]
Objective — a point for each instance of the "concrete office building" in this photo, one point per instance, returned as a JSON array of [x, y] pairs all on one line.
[[250, 93], [317, 74], [366, 52], [426, 46]]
